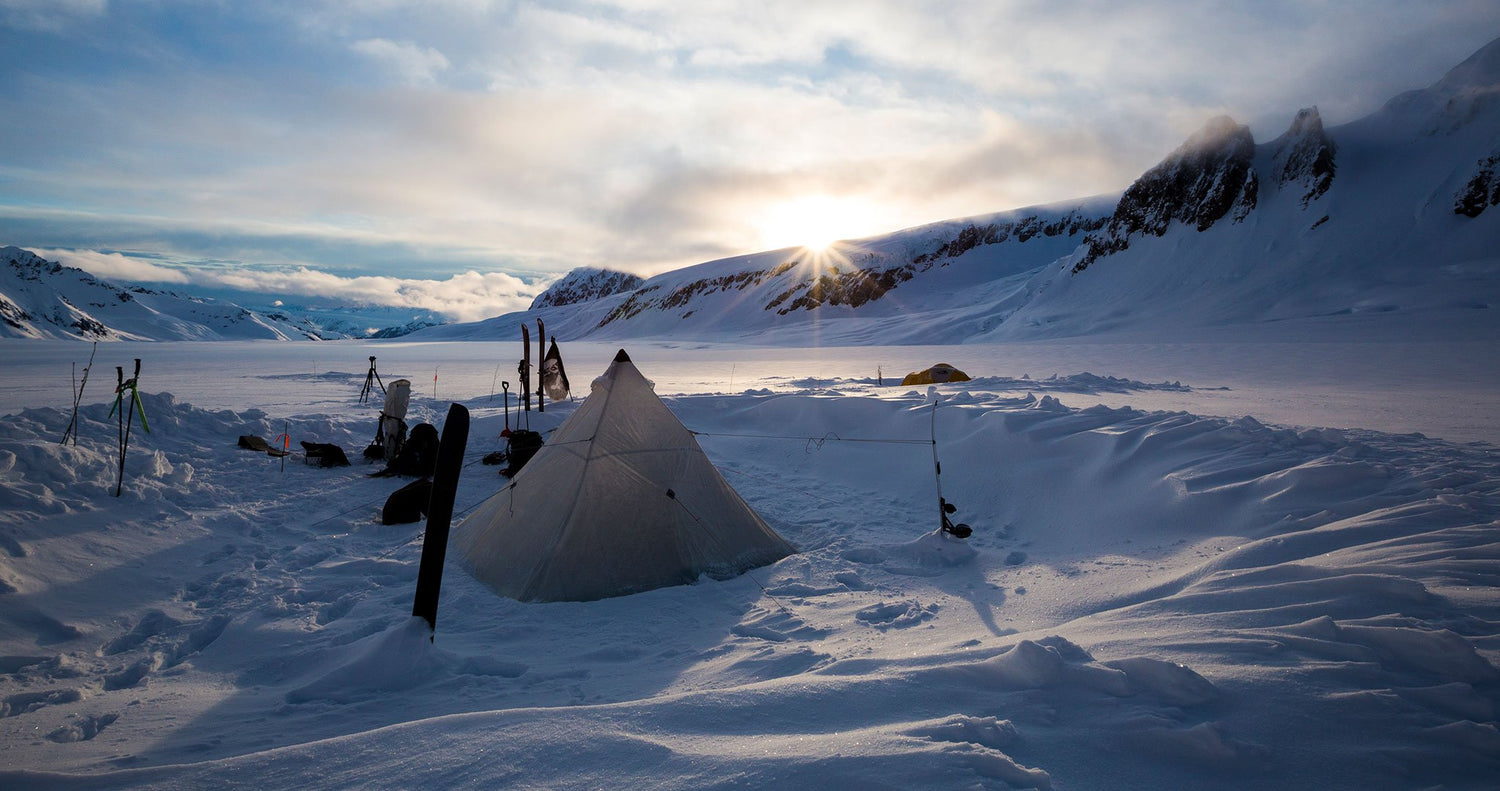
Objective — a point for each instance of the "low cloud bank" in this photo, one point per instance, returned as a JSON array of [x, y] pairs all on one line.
[[468, 296]]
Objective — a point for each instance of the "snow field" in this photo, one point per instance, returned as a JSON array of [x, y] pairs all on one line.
[[1150, 599]]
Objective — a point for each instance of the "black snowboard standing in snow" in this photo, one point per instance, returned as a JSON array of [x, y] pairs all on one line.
[[450, 462]]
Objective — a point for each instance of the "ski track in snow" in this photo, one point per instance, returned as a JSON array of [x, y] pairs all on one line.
[[1150, 599]]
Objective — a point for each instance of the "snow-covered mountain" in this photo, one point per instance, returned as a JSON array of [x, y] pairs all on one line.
[[44, 299], [585, 284], [1391, 215]]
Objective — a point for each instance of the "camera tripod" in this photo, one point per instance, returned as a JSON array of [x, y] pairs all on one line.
[[372, 377]]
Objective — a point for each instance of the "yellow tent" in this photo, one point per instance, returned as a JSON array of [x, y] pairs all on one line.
[[942, 372]]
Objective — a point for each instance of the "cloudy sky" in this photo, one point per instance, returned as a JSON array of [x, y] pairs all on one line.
[[459, 152]]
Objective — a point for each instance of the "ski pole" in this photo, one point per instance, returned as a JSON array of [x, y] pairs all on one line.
[[126, 420], [78, 397], [944, 507]]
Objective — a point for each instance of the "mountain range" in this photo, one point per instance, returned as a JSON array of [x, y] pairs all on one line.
[[1391, 221], [44, 299]]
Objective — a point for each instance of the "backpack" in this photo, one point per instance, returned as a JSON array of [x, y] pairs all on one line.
[[407, 504], [523, 445]]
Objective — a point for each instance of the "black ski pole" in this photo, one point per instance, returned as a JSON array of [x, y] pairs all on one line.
[[450, 462], [944, 507], [133, 384]]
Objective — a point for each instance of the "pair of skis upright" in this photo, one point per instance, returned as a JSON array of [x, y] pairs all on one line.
[[551, 379]]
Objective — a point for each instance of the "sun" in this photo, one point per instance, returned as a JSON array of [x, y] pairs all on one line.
[[815, 222]]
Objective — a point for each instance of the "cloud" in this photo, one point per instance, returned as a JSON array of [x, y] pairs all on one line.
[[115, 266], [468, 296], [421, 140], [49, 15], [416, 65]]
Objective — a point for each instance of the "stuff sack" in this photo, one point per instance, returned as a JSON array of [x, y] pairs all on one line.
[[323, 454], [407, 504]]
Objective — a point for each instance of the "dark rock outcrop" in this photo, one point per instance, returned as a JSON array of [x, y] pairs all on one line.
[[1305, 157], [1483, 189], [1199, 184], [585, 284]]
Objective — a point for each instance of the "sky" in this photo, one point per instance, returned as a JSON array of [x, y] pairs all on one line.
[[463, 153]]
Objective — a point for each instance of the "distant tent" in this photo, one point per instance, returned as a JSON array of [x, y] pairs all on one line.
[[937, 374], [621, 499]]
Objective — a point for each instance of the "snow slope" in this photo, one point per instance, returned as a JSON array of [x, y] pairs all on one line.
[[1150, 600]]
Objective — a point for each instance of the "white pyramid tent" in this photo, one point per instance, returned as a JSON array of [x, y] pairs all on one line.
[[621, 499]]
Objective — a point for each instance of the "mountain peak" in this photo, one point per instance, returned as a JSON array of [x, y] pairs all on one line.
[[1218, 132], [1479, 71], [1304, 155], [1196, 185], [585, 284]]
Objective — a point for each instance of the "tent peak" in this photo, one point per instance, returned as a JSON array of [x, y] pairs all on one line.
[[622, 357]]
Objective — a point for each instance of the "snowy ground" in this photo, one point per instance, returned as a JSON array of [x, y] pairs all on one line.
[[1151, 599]]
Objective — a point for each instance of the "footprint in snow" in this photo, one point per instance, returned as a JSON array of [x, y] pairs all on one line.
[[776, 626], [82, 727], [984, 731], [896, 614], [26, 702]]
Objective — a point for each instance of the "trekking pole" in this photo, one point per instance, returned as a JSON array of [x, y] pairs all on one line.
[[944, 507], [119, 421], [128, 420]]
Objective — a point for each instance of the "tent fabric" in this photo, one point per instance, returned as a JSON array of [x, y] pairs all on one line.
[[937, 374], [620, 500]]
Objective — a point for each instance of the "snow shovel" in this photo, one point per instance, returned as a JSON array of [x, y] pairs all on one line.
[[505, 389]]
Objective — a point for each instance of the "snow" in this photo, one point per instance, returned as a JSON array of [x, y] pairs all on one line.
[[1160, 591]]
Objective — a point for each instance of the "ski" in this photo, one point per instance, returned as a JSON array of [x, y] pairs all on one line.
[[541, 356], [450, 462], [524, 369]]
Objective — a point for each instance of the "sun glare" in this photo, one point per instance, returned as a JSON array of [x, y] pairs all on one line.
[[815, 222]]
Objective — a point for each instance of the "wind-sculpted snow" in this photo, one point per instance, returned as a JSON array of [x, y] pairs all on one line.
[[1068, 383], [1149, 600]]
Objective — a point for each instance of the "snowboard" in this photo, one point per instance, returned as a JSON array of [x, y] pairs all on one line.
[[450, 461]]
